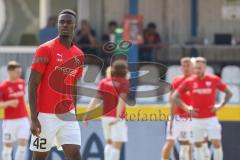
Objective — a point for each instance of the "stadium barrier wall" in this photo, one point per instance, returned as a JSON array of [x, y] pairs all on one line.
[[146, 130]]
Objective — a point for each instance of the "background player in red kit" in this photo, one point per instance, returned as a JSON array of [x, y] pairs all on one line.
[[113, 91], [202, 88], [52, 92], [15, 124], [178, 127]]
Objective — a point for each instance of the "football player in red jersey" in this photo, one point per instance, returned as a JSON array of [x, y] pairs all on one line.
[[113, 91], [202, 88], [178, 127], [56, 67], [15, 124]]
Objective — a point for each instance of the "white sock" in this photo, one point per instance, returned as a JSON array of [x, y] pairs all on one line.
[[7, 153], [217, 154], [115, 154], [184, 152], [20, 153], [207, 155], [199, 153], [107, 151]]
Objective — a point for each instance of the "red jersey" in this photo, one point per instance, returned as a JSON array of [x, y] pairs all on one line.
[[203, 93], [10, 91], [60, 67], [185, 97], [110, 90]]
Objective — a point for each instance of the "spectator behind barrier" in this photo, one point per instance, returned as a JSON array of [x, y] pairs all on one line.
[[86, 36], [109, 36], [112, 25], [151, 37], [50, 31]]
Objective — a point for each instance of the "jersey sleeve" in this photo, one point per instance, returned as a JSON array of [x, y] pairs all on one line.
[[41, 59], [184, 87], [220, 85]]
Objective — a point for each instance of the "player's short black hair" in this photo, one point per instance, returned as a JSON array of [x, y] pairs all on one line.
[[68, 11], [12, 65]]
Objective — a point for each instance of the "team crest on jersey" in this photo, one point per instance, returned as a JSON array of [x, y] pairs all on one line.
[[195, 85], [208, 83], [76, 61], [20, 86], [59, 57], [10, 90]]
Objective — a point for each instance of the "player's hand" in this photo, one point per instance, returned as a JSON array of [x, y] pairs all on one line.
[[13, 103], [35, 127], [191, 111], [85, 120], [216, 108], [114, 122]]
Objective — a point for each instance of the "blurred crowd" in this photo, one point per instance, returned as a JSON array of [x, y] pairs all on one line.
[[87, 40]]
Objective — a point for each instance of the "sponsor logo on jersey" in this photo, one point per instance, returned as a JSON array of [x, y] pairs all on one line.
[[203, 91], [16, 94], [67, 71], [208, 83]]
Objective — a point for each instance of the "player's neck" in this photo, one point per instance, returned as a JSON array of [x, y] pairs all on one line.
[[66, 41], [187, 75], [12, 80], [201, 76]]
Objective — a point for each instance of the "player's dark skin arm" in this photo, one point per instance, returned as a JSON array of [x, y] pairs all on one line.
[[75, 95], [35, 78]]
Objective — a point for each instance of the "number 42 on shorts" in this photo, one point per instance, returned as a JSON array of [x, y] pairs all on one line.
[[40, 143]]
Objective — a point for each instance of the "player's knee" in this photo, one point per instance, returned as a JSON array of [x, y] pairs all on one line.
[[117, 145], [216, 143], [8, 145], [198, 144], [169, 144], [184, 142], [109, 141], [39, 155], [74, 155], [22, 142]]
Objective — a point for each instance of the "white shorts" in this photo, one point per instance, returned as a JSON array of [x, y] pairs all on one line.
[[203, 126], [14, 129], [55, 132], [117, 132], [180, 129]]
